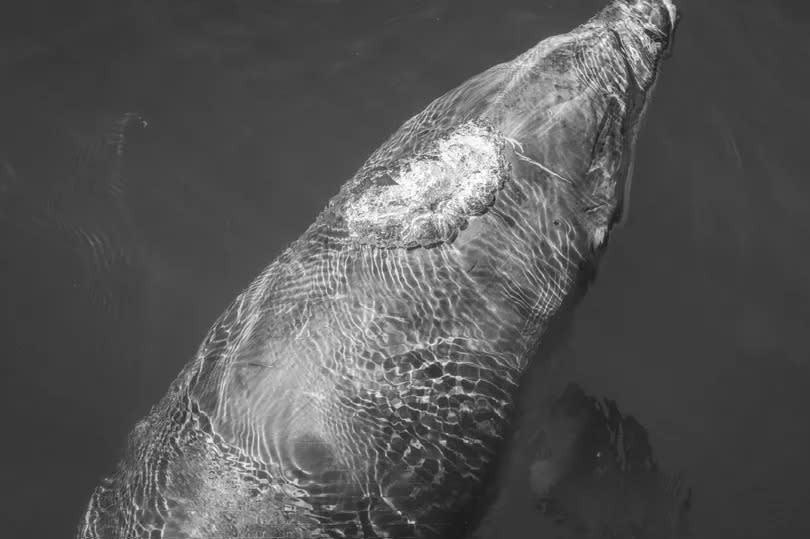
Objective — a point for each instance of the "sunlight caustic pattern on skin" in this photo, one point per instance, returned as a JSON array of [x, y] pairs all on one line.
[[363, 385]]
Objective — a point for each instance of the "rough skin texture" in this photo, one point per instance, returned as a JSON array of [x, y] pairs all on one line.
[[363, 384], [430, 198]]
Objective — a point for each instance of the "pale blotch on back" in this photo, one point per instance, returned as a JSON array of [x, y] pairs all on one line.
[[429, 198]]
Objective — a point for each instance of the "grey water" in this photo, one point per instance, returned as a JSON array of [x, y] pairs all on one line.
[[155, 156]]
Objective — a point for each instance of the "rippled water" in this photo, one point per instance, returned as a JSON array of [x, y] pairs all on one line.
[[113, 267]]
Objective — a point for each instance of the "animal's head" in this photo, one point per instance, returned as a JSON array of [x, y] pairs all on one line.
[[575, 102], [560, 119]]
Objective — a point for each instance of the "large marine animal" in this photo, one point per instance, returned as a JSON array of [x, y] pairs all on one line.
[[363, 384]]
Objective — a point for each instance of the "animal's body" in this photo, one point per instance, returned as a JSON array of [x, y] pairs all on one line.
[[362, 385]]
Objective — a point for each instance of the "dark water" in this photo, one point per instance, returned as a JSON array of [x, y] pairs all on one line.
[[113, 268]]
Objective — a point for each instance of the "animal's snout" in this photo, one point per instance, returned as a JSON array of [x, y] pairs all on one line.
[[661, 15]]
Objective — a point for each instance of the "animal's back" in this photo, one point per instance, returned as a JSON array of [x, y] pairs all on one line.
[[362, 385]]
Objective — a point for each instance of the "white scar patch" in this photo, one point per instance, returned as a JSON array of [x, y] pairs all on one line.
[[431, 197]]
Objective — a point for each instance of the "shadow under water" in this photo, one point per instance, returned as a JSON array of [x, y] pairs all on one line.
[[594, 473]]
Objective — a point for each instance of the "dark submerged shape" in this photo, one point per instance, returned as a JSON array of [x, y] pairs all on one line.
[[595, 473], [362, 385]]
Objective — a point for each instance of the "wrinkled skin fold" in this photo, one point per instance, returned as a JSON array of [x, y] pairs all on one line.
[[363, 384]]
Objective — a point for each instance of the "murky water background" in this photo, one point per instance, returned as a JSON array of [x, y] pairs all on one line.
[[258, 111]]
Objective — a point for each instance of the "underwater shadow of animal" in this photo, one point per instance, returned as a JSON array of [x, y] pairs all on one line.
[[594, 473]]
